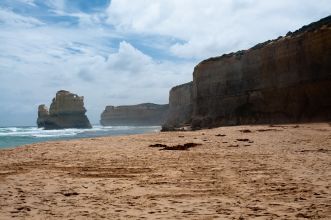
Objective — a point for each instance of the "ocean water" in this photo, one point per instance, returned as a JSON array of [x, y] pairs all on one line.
[[16, 136]]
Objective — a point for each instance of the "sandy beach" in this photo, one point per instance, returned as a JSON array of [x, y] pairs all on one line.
[[242, 172]]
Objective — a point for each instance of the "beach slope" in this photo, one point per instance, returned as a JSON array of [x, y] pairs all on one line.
[[241, 172]]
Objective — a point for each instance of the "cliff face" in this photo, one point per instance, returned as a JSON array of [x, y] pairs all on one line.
[[285, 80], [142, 114], [180, 107], [66, 111]]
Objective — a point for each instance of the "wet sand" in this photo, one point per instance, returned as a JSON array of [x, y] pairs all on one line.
[[242, 172]]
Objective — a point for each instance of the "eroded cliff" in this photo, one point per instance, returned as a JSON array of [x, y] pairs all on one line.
[[134, 115], [280, 81], [66, 111], [180, 107]]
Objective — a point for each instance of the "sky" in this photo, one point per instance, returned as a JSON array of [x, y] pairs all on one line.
[[123, 52]]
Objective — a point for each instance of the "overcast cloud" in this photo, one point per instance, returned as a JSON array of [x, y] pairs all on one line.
[[124, 51]]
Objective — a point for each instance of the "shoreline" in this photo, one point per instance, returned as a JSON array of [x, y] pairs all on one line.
[[11, 137], [252, 171], [72, 139]]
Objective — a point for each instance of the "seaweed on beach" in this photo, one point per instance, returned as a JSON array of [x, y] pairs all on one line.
[[158, 145], [176, 147]]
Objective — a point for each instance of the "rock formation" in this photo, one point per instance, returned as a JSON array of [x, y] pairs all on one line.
[[42, 115], [281, 81], [134, 115], [180, 107], [66, 111]]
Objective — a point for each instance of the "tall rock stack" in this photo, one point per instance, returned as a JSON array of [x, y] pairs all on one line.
[[286, 80], [66, 111]]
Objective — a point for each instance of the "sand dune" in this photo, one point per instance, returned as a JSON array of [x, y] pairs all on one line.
[[244, 172]]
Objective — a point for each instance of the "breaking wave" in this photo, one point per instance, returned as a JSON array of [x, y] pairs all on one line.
[[14, 136]]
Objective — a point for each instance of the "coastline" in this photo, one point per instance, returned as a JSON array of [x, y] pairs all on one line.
[[240, 172], [17, 136]]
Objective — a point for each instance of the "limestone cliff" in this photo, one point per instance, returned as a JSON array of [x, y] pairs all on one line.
[[280, 81], [66, 111], [135, 115], [180, 107]]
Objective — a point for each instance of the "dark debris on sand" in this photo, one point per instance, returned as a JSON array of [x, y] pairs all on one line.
[[176, 147], [220, 135]]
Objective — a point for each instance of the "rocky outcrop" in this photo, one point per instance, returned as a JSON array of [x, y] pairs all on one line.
[[280, 81], [43, 114], [134, 115], [66, 111], [180, 107]]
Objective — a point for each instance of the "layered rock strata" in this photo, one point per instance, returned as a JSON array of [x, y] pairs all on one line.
[[180, 107], [66, 111], [134, 115], [281, 81]]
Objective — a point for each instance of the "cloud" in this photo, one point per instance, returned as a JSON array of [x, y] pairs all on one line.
[[213, 27], [11, 19], [130, 76], [28, 2], [57, 5], [128, 59]]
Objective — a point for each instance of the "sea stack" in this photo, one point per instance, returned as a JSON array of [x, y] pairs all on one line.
[[146, 114], [66, 111]]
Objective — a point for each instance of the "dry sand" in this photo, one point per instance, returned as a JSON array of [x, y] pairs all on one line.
[[244, 172]]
